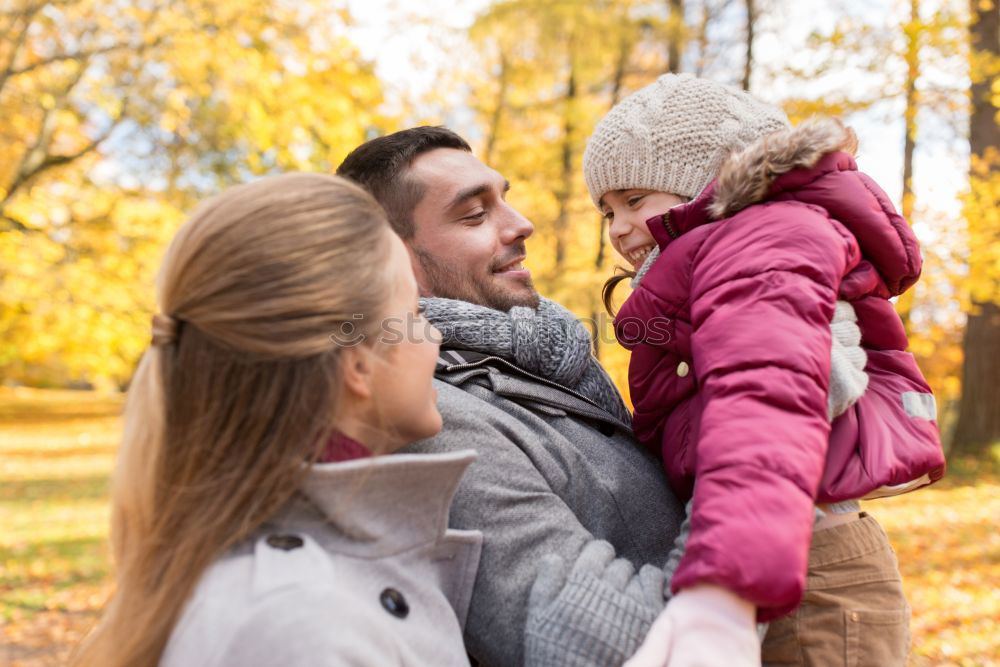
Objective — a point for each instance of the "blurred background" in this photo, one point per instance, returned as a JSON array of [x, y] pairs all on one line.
[[117, 116]]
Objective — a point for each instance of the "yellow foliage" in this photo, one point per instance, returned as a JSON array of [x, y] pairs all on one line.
[[116, 119], [197, 94]]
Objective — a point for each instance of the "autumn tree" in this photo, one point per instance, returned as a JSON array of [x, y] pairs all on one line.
[[117, 118], [902, 66], [978, 424], [547, 72], [542, 83]]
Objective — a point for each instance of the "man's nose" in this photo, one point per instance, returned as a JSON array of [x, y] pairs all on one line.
[[515, 227]]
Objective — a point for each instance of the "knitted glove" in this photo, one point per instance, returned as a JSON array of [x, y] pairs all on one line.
[[702, 626], [596, 614], [848, 379]]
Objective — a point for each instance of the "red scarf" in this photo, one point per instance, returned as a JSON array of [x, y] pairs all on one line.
[[339, 448]]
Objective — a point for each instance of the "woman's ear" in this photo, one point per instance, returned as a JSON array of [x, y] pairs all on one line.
[[357, 371]]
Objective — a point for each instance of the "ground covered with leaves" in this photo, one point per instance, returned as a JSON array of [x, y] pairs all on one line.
[[56, 456]]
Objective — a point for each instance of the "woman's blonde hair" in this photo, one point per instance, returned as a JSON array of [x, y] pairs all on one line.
[[222, 415]]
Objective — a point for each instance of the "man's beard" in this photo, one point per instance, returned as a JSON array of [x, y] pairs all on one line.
[[450, 282]]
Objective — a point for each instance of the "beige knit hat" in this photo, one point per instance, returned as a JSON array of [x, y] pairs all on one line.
[[673, 135]]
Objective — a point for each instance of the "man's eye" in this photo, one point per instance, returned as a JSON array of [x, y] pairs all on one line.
[[475, 217]]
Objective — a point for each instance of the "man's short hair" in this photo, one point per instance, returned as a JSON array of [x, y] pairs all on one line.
[[380, 166]]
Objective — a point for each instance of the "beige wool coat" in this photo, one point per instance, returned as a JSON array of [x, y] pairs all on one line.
[[361, 569]]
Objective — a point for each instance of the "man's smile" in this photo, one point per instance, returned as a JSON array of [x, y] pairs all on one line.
[[513, 269]]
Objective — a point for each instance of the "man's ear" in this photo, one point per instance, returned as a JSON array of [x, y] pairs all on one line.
[[357, 370]]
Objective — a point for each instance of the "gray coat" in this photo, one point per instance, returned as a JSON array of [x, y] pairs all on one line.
[[555, 473], [362, 570]]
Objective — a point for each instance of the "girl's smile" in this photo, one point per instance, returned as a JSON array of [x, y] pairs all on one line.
[[626, 212]]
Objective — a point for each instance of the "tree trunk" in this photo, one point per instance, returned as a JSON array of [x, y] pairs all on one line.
[[617, 83], [748, 64], [675, 35], [910, 114], [702, 39], [905, 303], [565, 192], [979, 409], [498, 110]]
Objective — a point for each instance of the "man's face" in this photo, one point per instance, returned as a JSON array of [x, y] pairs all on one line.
[[468, 243]]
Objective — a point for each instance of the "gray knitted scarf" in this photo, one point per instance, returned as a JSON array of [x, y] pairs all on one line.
[[549, 342]]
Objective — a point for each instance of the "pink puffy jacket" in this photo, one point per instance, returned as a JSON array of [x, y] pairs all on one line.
[[730, 339]]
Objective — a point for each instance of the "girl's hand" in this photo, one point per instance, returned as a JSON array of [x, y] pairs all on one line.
[[704, 626]]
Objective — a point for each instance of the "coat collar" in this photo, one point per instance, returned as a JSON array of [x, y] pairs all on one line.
[[681, 219], [378, 506]]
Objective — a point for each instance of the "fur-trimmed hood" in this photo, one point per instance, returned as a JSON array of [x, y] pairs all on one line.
[[812, 163], [746, 176]]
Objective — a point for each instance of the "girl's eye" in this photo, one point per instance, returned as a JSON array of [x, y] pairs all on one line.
[[632, 201], [609, 215]]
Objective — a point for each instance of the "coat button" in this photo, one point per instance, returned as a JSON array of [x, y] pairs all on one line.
[[394, 603], [683, 369], [284, 542]]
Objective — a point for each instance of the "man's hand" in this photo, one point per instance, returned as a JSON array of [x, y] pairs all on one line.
[[593, 613], [702, 626]]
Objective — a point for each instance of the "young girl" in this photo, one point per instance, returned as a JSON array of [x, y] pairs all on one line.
[[252, 524], [743, 234]]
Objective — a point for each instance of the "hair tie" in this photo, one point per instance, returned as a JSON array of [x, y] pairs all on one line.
[[164, 329]]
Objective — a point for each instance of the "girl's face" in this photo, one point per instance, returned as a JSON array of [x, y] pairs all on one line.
[[626, 212]]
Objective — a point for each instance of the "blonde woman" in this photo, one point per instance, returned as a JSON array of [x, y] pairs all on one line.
[[254, 520]]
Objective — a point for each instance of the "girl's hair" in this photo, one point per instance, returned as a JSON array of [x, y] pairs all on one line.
[[608, 291], [221, 420]]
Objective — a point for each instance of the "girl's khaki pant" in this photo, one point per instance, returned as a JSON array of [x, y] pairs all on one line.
[[853, 612]]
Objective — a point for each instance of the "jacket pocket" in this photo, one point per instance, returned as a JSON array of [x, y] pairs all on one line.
[[876, 637]]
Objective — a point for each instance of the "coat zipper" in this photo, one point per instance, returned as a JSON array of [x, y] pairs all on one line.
[[668, 226]]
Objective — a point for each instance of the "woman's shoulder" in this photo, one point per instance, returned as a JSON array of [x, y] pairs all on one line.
[[266, 563], [265, 596]]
